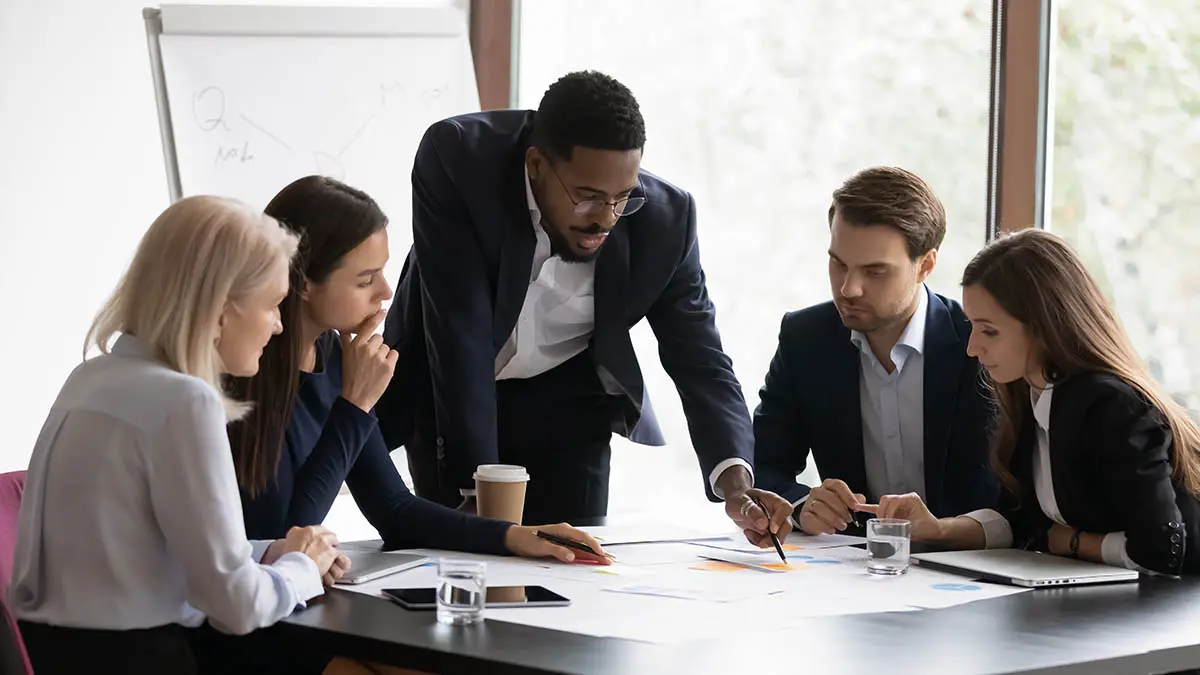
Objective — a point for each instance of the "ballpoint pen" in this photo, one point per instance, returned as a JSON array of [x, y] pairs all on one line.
[[774, 539], [570, 543]]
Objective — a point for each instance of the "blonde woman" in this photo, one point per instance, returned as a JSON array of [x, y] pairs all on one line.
[[1097, 461], [131, 530]]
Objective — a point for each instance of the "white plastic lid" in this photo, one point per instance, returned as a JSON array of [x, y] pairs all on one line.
[[501, 473]]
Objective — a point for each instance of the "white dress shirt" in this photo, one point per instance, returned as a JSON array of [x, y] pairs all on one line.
[[997, 532], [131, 516], [893, 410], [557, 319], [892, 407], [559, 313]]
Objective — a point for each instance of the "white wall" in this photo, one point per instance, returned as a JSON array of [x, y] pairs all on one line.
[[81, 177]]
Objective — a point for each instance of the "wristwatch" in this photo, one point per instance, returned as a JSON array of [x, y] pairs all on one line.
[[1075, 543]]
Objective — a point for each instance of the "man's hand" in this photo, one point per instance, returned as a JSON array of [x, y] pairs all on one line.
[[759, 523], [469, 505], [829, 508]]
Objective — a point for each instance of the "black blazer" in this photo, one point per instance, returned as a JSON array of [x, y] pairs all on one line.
[[1110, 456], [467, 275], [810, 403]]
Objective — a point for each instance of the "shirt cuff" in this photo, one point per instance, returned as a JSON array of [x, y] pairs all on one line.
[[1113, 552], [301, 574], [258, 548], [791, 518], [997, 533], [722, 468], [467, 493]]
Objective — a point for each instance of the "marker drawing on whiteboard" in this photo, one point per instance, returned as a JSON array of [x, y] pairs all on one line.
[[329, 165], [226, 155], [208, 109], [357, 135], [266, 133]]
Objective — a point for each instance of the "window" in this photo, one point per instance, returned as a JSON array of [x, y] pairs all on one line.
[[761, 110], [1126, 149]]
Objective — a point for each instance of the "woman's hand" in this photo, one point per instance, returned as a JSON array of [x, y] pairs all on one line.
[[341, 565], [316, 542], [367, 364], [523, 541], [1058, 539]]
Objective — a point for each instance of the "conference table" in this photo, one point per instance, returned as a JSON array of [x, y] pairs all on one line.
[[1152, 626]]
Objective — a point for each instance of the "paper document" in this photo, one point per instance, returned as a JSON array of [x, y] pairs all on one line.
[[694, 592], [610, 535], [794, 542], [750, 561]]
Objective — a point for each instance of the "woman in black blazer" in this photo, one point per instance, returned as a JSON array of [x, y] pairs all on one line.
[[1096, 460]]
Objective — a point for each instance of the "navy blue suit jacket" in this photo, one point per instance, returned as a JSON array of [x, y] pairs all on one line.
[[810, 403], [465, 281]]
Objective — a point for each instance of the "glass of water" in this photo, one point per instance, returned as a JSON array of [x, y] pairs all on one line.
[[462, 587], [888, 546]]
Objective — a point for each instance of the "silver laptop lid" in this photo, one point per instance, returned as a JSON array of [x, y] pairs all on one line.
[[1025, 568], [369, 565]]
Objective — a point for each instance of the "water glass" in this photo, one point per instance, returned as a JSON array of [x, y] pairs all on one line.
[[462, 587], [888, 546]]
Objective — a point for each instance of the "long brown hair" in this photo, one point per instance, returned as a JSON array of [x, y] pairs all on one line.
[[1041, 282], [331, 219]]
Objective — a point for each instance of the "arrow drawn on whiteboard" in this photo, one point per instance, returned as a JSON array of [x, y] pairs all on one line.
[[208, 109], [266, 133], [358, 134]]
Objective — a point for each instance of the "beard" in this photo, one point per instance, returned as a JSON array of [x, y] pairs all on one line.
[[868, 321], [561, 246]]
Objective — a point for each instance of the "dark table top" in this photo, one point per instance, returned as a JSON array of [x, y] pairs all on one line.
[[1152, 626]]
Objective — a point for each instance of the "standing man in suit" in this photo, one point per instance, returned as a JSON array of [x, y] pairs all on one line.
[[876, 384], [538, 243]]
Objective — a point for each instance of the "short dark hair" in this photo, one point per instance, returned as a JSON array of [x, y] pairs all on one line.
[[895, 198], [588, 109]]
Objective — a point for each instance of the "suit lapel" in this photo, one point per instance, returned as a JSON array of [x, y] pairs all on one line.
[[610, 338], [945, 355], [517, 244]]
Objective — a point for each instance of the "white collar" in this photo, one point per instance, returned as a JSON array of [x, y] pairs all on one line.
[[535, 213], [1041, 406], [913, 336]]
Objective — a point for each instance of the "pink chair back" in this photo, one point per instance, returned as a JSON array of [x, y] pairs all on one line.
[[13, 660]]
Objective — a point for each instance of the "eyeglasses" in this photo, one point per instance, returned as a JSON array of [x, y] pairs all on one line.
[[594, 207]]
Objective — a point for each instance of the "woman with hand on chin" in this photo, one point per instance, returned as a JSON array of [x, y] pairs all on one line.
[[1096, 460], [312, 427]]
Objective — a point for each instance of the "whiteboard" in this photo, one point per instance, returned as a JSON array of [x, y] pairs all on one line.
[[253, 97]]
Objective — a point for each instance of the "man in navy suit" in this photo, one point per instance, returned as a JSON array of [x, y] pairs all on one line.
[[538, 243], [876, 384]]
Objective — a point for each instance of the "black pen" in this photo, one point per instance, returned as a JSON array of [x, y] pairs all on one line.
[[774, 539], [570, 543]]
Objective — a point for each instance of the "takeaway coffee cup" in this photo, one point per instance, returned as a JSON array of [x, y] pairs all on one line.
[[500, 491]]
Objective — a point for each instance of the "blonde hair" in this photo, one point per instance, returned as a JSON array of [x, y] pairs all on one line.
[[1041, 282], [199, 256]]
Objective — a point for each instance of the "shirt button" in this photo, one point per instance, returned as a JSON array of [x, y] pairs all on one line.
[[1175, 550], [1175, 538], [1173, 525]]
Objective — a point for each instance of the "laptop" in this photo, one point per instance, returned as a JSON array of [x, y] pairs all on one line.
[[370, 565], [1023, 568]]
